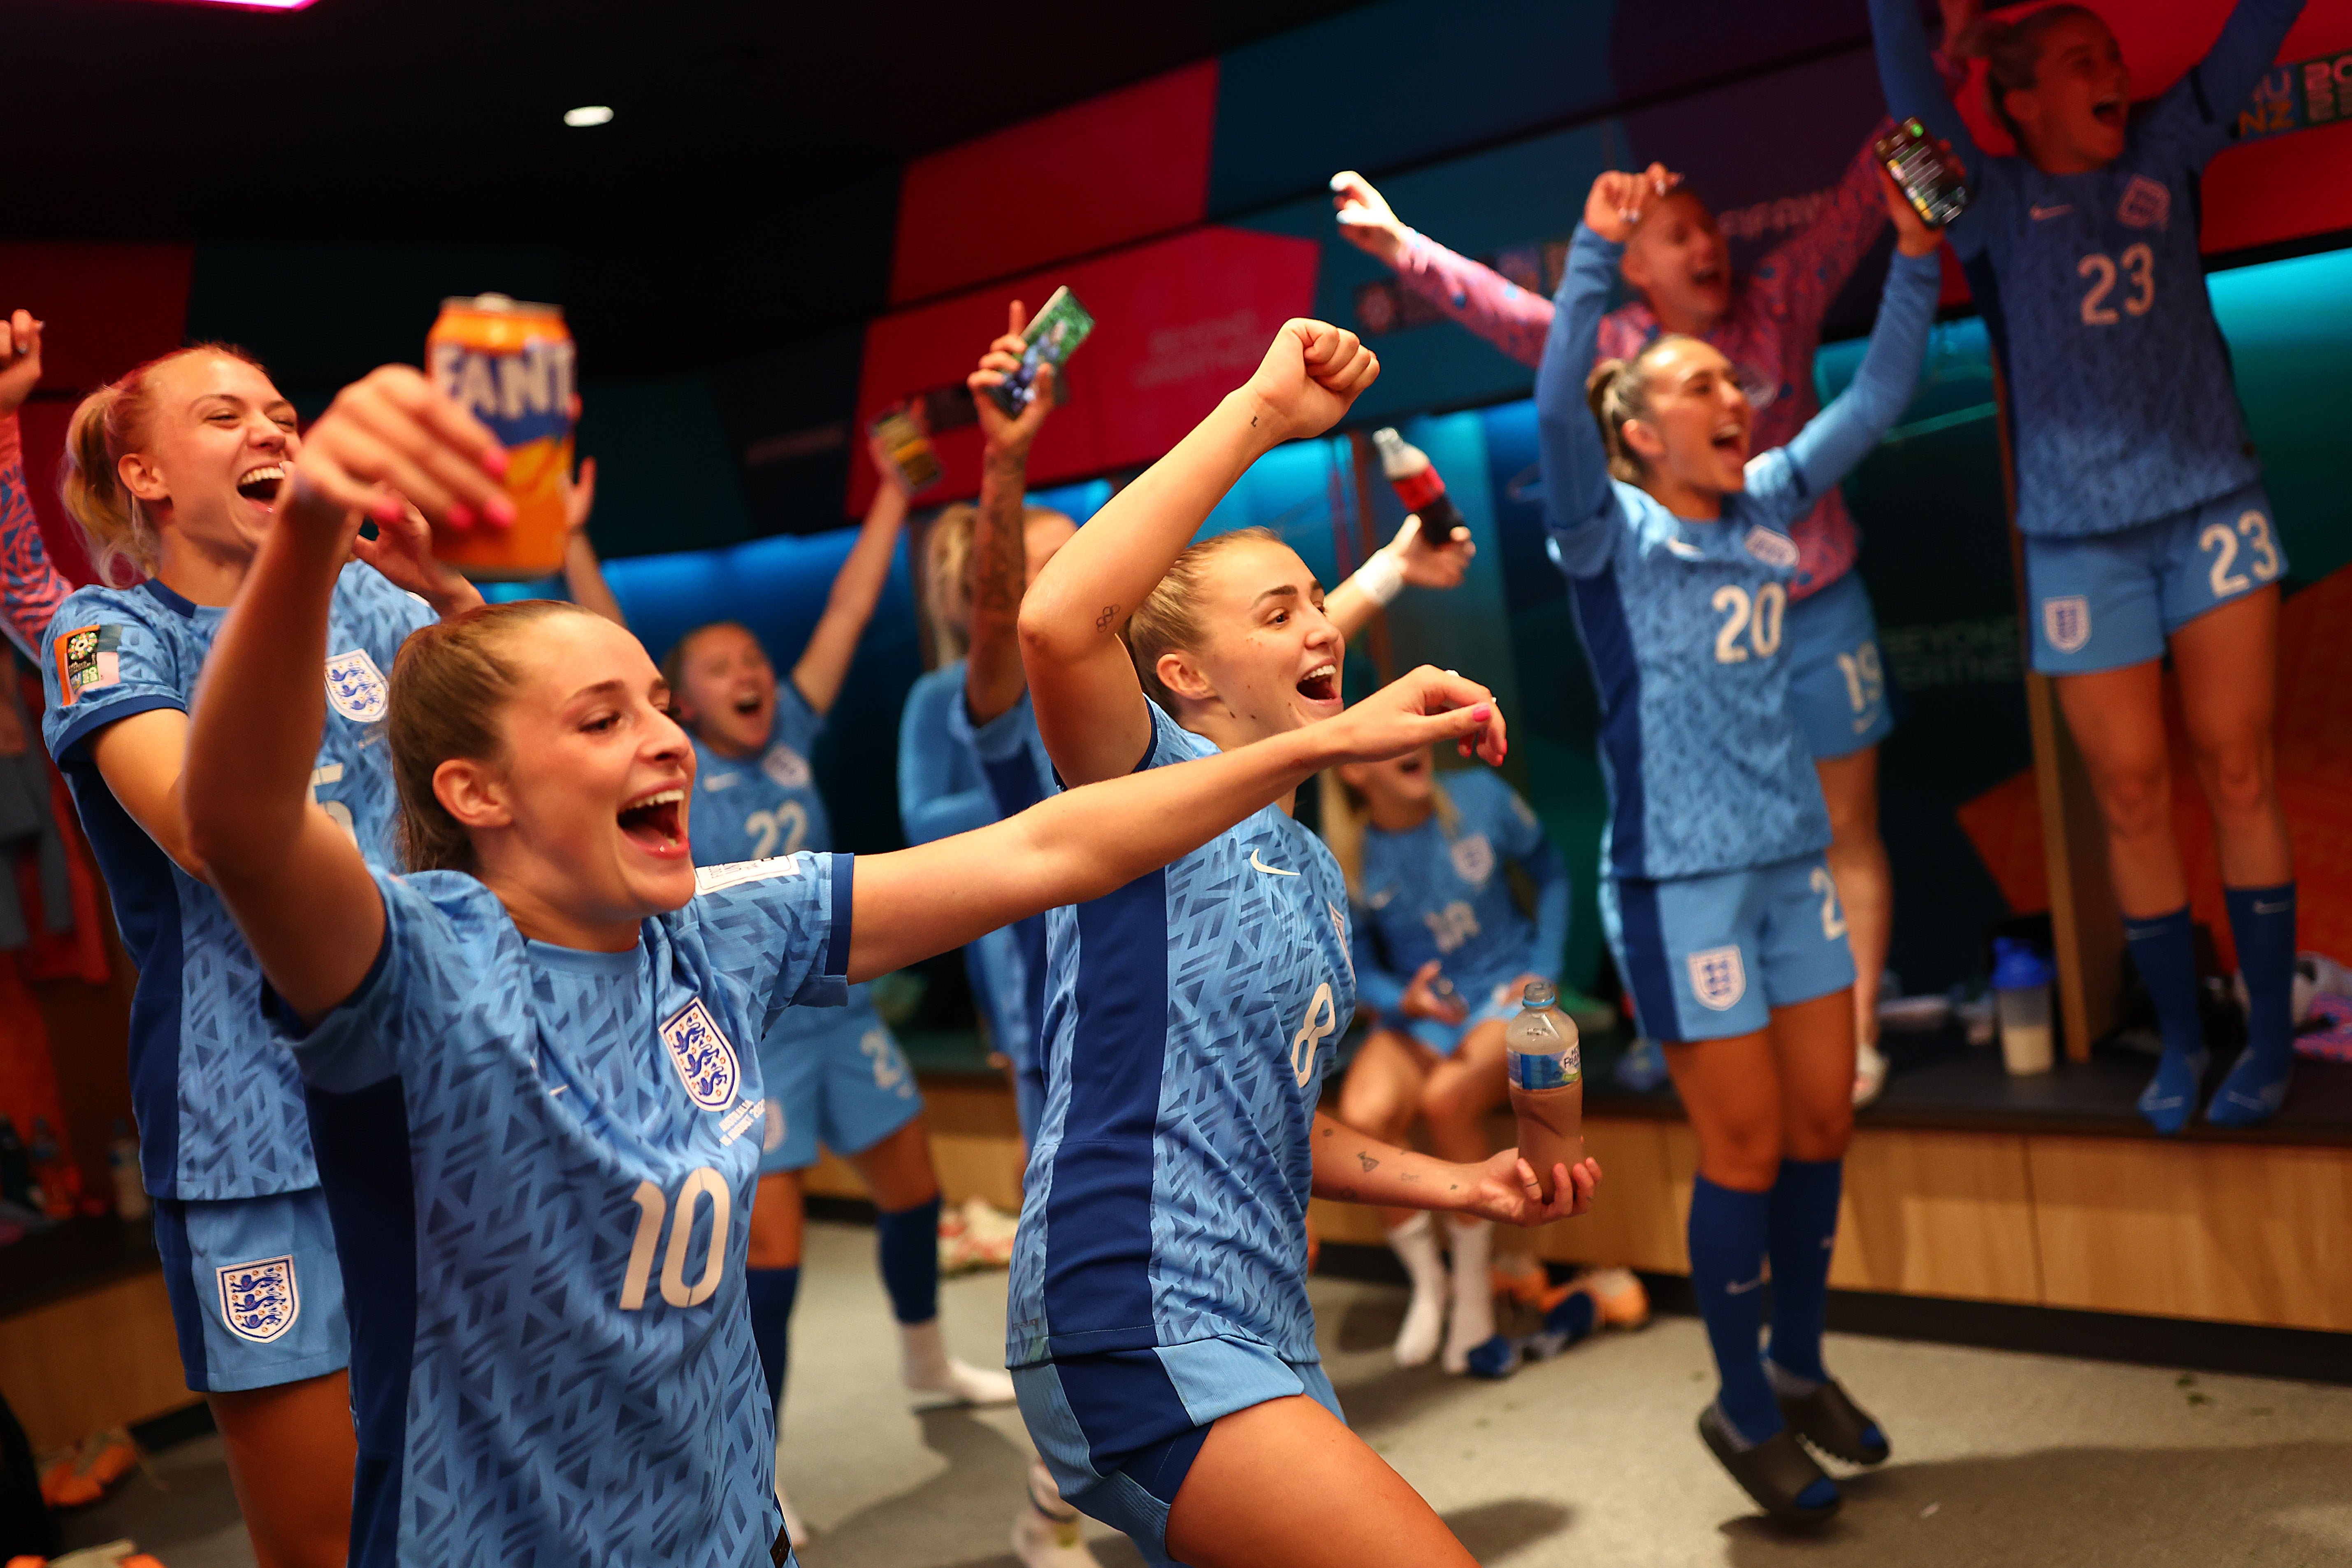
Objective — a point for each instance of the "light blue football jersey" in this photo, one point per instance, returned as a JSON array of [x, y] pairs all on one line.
[[220, 1110], [1189, 1018], [1685, 623], [1020, 773], [2121, 406], [540, 1165], [751, 810], [1435, 895]]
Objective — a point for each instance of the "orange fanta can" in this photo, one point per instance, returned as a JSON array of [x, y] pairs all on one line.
[[509, 363]]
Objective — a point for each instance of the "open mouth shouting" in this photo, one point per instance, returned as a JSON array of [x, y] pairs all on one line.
[[654, 822], [1320, 684], [259, 485], [2109, 111], [1731, 440]]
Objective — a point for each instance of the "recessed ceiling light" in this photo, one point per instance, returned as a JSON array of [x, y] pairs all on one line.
[[588, 114], [254, 4]]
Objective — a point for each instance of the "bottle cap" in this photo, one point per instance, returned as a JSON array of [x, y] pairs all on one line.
[[1538, 994], [2019, 965]]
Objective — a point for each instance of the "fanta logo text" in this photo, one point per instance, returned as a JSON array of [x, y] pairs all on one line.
[[524, 396]]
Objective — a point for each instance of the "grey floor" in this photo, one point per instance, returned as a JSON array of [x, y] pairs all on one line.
[[1588, 1460]]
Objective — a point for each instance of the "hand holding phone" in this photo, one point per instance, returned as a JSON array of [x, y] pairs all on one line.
[[899, 441], [1052, 336], [1925, 171]]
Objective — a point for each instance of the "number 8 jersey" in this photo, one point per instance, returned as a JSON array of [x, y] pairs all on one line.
[[1684, 621], [1189, 1018]]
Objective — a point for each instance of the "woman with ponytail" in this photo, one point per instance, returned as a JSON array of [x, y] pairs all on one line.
[[1719, 909], [173, 474]]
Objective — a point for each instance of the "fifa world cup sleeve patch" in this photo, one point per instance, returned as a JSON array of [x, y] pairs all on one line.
[[88, 660]]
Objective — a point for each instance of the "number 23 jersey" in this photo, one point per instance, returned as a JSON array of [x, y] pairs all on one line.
[[539, 1162], [1189, 1018]]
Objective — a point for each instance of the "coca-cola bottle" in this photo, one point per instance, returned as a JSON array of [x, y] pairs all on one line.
[[1418, 485]]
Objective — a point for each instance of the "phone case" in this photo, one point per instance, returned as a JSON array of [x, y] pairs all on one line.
[[1932, 185], [1053, 336], [908, 447]]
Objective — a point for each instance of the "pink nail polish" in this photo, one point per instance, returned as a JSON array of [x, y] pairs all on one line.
[[494, 462], [387, 508], [461, 515], [499, 510]]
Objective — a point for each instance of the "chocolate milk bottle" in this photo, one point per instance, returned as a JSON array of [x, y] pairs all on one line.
[[1546, 1078]]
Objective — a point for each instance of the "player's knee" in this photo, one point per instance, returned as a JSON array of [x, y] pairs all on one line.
[[2237, 775], [1820, 1132], [2136, 795], [1744, 1155]]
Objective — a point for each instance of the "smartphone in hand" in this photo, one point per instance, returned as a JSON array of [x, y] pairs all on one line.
[[1054, 334], [908, 447], [1930, 181]]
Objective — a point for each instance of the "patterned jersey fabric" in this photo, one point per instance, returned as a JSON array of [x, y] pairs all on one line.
[[220, 1110], [1683, 622], [31, 588], [2121, 407], [1445, 895], [1189, 1018], [1774, 327], [541, 1163]]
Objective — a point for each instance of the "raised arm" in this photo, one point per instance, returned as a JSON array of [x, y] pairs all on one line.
[[929, 807], [1411, 559], [1090, 706], [31, 588], [294, 880], [1835, 439], [1582, 505], [1095, 839], [856, 587], [2219, 84], [1800, 277], [1478, 296], [1907, 74], [993, 678], [583, 573]]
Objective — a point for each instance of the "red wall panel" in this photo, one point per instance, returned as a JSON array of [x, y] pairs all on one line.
[[1102, 172], [1179, 323]]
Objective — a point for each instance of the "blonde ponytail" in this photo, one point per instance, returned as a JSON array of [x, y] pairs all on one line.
[[109, 423]]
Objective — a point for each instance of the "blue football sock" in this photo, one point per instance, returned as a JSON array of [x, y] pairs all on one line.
[[1727, 1238], [1802, 1229], [907, 1244], [2163, 951], [772, 1292], [2263, 920]]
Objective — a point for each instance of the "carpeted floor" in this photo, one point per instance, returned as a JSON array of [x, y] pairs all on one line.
[[1586, 1462]]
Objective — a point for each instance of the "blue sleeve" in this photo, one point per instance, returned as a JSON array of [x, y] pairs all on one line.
[[1914, 89], [1008, 758], [783, 923], [1581, 509], [1519, 835], [406, 997], [1377, 987], [1794, 477], [102, 661], [930, 804], [2199, 116], [797, 724]]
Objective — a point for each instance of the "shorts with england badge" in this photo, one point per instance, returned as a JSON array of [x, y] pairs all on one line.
[[833, 1076], [257, 1293], [2105, 601], [1706, 958], [1119, 1429], [1837, 676]]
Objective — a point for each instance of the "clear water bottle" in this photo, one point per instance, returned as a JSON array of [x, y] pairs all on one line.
[[1545, 1068], [1418, 485], [2022, 973]]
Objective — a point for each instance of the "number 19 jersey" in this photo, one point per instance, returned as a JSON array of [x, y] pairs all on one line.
[[1189, 1018], [539, 1162]]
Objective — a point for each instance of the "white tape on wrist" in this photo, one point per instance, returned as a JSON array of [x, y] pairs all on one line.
[[1382, 578]]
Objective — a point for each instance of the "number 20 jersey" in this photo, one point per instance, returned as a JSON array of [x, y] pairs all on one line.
[[1189, 1018], [539, 1162], [2121, 406]]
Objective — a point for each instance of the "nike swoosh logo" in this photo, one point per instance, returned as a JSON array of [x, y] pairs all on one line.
[[2039, 212], [559, 1088], [1258, 865], [1755, 1284], [2279, 909], [1688, 551]]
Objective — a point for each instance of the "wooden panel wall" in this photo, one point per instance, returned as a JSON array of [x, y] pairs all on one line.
[[101, 1359]]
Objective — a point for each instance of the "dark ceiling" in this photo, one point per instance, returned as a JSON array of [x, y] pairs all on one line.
[[440, 120]]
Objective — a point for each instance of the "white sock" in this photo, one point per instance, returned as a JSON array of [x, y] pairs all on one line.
[[925, 1366], [1474, 1292], [1415, 1244]]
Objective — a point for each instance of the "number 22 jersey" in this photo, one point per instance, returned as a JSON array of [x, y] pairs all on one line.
[[1189, 1018], [539, 1162]]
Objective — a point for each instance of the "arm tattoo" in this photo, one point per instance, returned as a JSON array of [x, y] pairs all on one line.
[[1347, 1195], [1366, 1160], [1108, 619]]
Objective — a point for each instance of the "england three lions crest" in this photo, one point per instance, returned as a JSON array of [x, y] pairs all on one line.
[[355, 687], [2066, 622], [1719, 977], [259, 1301], [704, 1058]]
